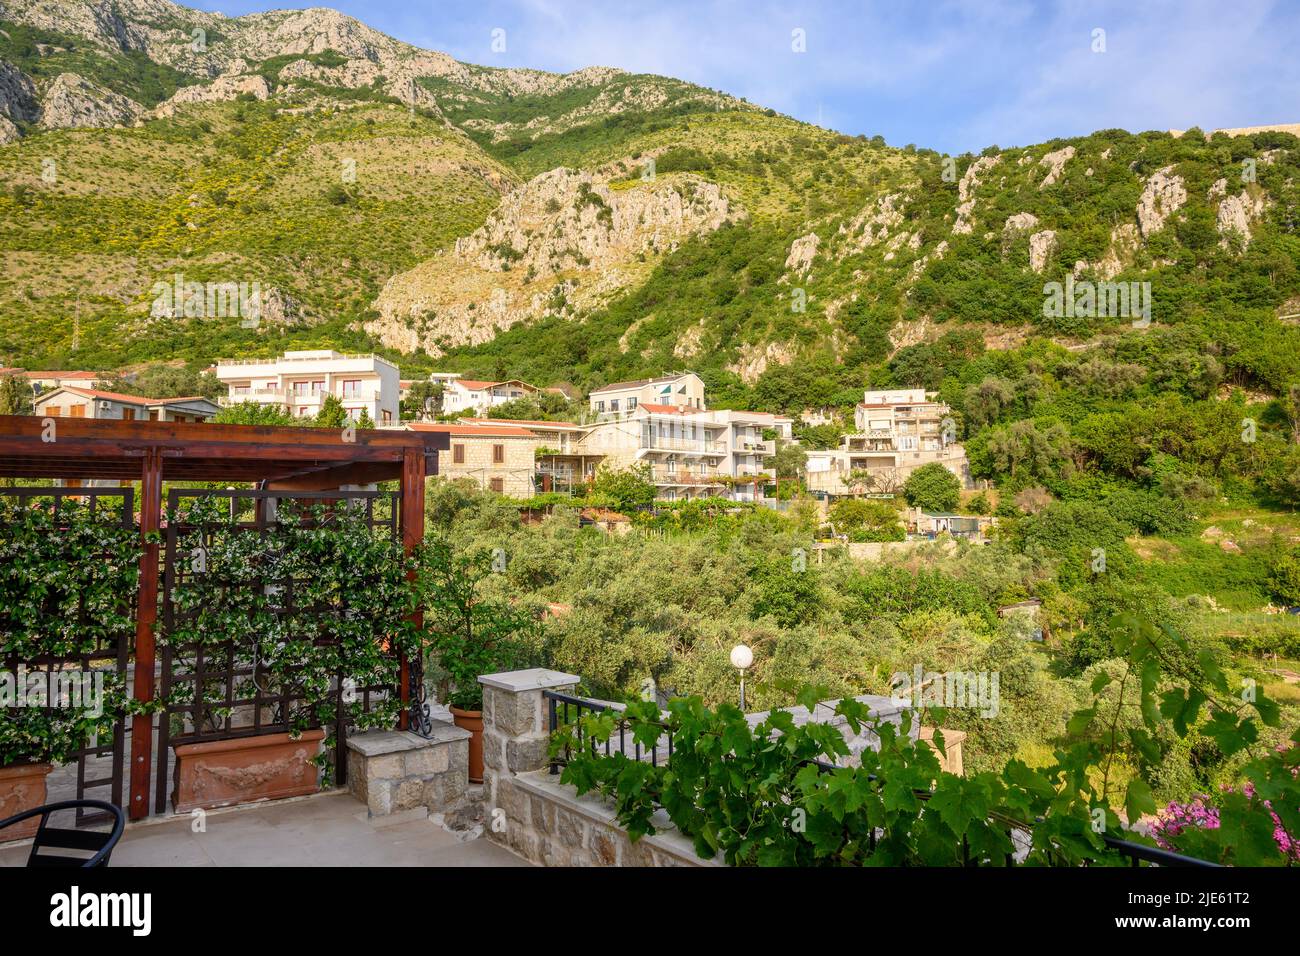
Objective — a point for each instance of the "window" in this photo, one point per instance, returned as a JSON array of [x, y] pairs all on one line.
[[458, 454], [351, 387], [631, 404], [600, 406], [77, 411], [613, 405], [54, 411], [128, 414], [498, 454], [388, 416], [498, 485]]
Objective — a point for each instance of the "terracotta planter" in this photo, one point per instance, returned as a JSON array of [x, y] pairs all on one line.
[[22, 787], [222, 773], [472, 720]]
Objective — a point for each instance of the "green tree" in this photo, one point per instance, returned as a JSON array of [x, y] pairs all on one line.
[[332, 413], [253, 413], [864, 519], [1284, 577], [628, 489], [789, 461], [15, 396], [422, 401], [932, 487]]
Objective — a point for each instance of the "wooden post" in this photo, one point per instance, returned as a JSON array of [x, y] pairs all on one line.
[[146, 617], [413, 474]]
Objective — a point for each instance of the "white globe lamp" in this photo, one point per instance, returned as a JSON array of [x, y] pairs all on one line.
[[741, 659]]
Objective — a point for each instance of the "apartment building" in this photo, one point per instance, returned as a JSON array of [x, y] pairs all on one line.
[[299, 381], [898, 431], [494, 456], [621, 399], [75, 402], [692, 453], [471, 395]]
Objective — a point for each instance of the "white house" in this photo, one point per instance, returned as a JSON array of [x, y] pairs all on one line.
[[467, 394]]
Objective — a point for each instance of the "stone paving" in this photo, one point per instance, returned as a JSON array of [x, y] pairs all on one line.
[[327, 829]]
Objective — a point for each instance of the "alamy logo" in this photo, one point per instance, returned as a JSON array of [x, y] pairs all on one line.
[[207, 300], [71, 689], [1091, 300], [976, 690], [75, 909]]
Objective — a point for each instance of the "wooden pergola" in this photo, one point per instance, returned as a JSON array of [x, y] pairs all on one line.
[[276, 458]]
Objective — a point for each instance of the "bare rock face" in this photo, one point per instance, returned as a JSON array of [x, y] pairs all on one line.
[[1020, 222], [802, 252], [754, 359], [1124, 242], [559, 244], [1055, 163], [1235, 215], [1041, 246], [222, 88], [966, 187], [17, 95], [72, 102], [872, 225], [1163, 195], [8, 131]]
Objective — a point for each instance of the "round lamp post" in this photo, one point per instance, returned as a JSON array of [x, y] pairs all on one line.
[[741, 658]]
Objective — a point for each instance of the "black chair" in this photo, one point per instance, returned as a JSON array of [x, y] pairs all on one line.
[[99, 845]]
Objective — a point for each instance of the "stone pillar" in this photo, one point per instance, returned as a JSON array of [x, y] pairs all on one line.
[[394, 771], [516, 732]]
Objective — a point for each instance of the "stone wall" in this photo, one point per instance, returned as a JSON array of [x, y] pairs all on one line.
[[530, 812]]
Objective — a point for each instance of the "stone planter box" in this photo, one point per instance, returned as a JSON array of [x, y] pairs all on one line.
[[223, 773], [22, 787]]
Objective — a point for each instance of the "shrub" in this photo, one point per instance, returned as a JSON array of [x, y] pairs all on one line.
[[933, 487]]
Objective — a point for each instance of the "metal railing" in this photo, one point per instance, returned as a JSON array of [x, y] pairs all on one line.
[[558, 708]]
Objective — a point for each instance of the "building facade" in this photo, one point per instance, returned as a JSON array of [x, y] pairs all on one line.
[[495, 457], [683, 390], [470, 395], [74, 402], [898, 431], [299, 382]]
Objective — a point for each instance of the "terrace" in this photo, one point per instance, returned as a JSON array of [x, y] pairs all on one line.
[[215, 765]]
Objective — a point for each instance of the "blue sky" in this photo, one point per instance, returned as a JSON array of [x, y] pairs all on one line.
[[952, 76]]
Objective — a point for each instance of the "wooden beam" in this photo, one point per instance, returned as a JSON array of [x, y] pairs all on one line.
[[146, 617], [413, 475]]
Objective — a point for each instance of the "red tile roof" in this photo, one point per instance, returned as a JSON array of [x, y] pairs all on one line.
[[125, 399], [519, 421], [83, 376], [473, 431], [667, 409]]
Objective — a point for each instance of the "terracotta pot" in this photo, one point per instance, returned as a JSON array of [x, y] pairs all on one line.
[[222, 773], [22, 787], [472, 720]]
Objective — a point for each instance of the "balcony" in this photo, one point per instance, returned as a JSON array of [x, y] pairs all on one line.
[[692, 445], [748, 446], [662, 476]]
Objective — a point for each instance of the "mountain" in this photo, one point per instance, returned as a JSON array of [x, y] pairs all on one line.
[[601, 225]]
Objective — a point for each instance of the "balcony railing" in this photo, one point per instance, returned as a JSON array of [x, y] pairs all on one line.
[[662, 476], [697, 445]]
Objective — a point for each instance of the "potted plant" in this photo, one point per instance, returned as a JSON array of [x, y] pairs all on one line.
[[41, 729], [467, 636]]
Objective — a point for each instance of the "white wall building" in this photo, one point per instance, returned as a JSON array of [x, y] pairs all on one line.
[[299, 382], [621, 399], [465, 394]]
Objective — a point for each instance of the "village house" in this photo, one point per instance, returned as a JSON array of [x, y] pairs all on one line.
[[299, 381], [471, 395], [76, 402], [496, 457], [682, 390]]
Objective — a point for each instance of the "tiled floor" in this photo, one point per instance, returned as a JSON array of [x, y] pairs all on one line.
[[329, 829]]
